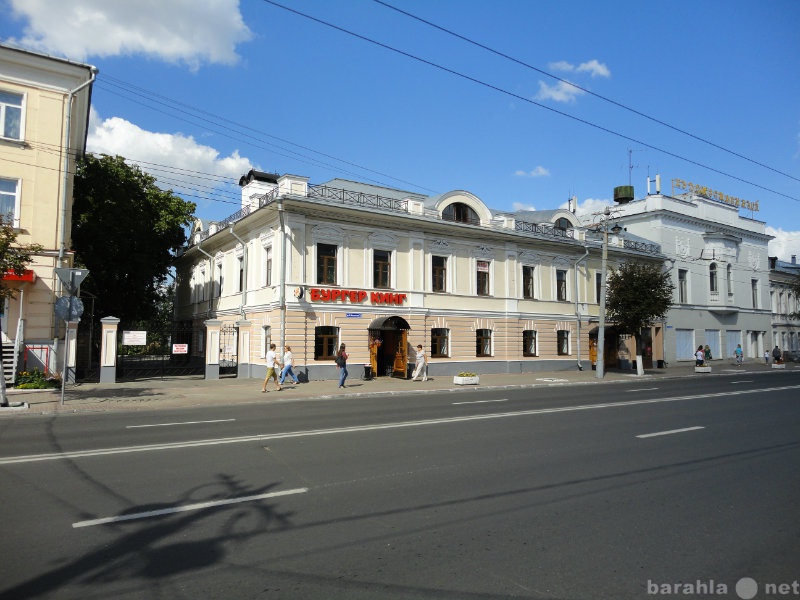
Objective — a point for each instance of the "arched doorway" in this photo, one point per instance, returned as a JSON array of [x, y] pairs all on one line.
[[388, 344]]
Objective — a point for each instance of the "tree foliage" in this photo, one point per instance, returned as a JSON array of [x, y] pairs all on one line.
[[13, 257], [794, 287], [125, 231], [639, 295]]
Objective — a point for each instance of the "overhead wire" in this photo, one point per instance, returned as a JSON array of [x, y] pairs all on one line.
[[525, 99]]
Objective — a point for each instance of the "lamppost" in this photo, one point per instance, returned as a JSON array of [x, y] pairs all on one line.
[[601, 330]]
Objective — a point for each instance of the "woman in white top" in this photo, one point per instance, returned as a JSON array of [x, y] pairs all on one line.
[[288, 363], [421, 366]]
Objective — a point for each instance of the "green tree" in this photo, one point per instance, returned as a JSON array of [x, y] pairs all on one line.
[[794, 287], [639, 295], [14, 258], [125, 231]]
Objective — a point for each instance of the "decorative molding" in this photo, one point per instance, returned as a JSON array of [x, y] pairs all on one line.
[[328, 233], [382, 241]]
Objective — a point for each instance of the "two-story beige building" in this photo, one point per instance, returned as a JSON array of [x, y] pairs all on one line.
[[44, 114], [382, 270]]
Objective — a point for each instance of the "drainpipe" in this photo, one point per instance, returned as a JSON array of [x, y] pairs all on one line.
[[664, 326], [211, 275], [65, 165], [283, 274], [577, 309], [243, 301]]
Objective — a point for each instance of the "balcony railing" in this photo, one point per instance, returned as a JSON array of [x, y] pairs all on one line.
[[642, 247], [526, 227], [357, 198]]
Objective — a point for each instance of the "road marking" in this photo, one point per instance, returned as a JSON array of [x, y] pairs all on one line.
[[183, 423], [743, 381], [482, 401], [376, 427], [642, 390], [188, 507], [670, 432]]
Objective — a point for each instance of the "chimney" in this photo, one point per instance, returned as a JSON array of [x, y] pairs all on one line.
[[794, 259], [658, 184]]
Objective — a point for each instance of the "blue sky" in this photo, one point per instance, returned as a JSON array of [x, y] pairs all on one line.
[[540, 102]]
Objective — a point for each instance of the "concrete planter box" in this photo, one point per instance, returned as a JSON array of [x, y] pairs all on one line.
[[458, 380], [779, 366], [702, 369]]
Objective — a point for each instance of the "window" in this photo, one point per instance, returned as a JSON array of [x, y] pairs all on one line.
[[9, 194], [529, 342], [201, 286], [729, 280], [439, 346], [483, 278], [439, 273], [268, 266], [483, 339], [712, 277], [754, 290], [527, 282], [381, 271], [219, 280], [241, 274], [460, 213], [325, 342], [682, 289], [562, 340], [10, 115], [326, 264], [598, 286], [561, 225], [266, 339], [561, 285]]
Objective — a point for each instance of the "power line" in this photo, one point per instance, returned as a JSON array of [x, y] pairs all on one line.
[[527, 100], [587, 91]]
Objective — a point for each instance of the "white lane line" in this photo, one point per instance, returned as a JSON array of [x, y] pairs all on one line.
[[670, 432], [482, 401], [183, 423], [743, 381], [10, 460], [188, 507], [642, 390]]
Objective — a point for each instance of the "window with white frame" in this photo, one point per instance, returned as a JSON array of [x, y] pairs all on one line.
[[266, 339], [381, 269], [562, 342], [268, 266], [561, 284], [9, 199], [439, 273], [482, 275], [439, 342], [219, 279], [483, 342], [528, 288], [713, 286], [326, 264], [529, 342], [11, 115], [240, 264], [683, 292]]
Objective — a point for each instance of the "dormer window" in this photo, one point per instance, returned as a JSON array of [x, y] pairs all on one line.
[[460, 213], [562, 224]]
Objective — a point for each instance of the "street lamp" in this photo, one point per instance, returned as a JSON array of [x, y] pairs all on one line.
[[601, 330]]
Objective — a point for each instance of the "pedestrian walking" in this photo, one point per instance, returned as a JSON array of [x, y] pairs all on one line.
[[739, 354], [288, 363], [272, 363], [341, 364], [421, 366], [699, 357], [707, 353], [776, 356], [766, 357]]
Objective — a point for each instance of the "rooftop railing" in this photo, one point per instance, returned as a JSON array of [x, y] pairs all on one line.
[[526, 227]]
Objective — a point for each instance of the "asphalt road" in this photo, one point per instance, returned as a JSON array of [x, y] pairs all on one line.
[[575, 492]]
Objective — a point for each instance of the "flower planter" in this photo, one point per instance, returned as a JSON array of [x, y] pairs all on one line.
[[702, 369], [458, 380], [778, 365]]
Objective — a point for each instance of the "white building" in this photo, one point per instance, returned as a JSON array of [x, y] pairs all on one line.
[[785, 328], [719, 267]]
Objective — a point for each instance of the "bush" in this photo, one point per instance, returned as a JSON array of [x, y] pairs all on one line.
[[36, 380]]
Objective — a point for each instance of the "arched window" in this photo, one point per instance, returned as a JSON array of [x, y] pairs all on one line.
[[461, 213], [729, 279], [563, 224], [712, 274]]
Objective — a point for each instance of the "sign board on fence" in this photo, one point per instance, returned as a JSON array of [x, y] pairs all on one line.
[[180, 348], [134, 338]]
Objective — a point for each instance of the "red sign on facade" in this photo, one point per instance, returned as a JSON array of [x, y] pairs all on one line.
[[27, 275], [355, 296]]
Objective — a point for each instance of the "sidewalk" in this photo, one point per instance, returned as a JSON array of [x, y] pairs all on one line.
[[195, 391]]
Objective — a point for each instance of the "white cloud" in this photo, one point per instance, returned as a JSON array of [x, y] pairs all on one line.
[[785, 244], [588, 208], [520, 206], [561, 65], [594, 68], [187, 32], [177, 162], [539, 171], [563, 91]]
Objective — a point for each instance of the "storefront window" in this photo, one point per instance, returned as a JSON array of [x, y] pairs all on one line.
[[326, 264], [439, 273], [325, 342], [381, 266], [529, 342], [439, 345], [483, 338]]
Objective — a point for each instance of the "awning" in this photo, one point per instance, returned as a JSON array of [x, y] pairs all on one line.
[[395, 323], [27, 275]]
